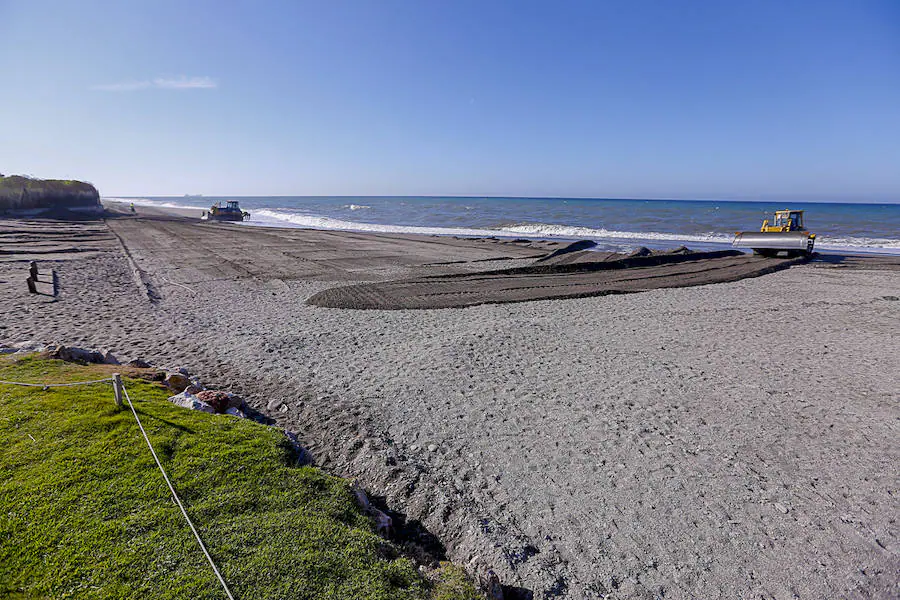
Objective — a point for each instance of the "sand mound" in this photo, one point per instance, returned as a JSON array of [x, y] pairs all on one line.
[[554, 280]]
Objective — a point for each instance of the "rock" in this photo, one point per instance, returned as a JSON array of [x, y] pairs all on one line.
[[194, 389], [383, 523], [432, 448], [28, 346], [490, 583], [302, 454], [185, 400], [781, 508], [74, 354], [642, 251], [177, 382], [138, 364], [220, 401], [235, 412], [109, 358], [274, 404]]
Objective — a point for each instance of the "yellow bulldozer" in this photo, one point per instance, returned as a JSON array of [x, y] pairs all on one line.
[[785, 233]]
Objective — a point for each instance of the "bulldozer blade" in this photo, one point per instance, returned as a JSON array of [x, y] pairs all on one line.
[[768, 243]]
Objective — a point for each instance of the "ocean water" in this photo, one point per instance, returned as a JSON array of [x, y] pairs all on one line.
[[614, 224]]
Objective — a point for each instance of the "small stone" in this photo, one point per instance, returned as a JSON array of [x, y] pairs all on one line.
[[176, 382], [274, 404], [781, 508], [432, 448], [414, 447]]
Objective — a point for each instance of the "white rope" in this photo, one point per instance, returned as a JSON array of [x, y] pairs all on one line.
[[177, 499], [50, 385]]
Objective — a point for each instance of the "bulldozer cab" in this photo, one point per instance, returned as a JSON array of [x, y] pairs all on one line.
[[784, 220], [233, 205]]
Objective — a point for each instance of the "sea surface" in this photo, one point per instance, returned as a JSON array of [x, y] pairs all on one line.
[[621, 225]]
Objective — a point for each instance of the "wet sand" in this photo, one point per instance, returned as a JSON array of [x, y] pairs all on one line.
[[717, 441]]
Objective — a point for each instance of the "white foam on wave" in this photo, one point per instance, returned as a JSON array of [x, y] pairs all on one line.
[[547, 230], [857, 242], [356, 206], [156, 203], [282, 218], [278, 218]]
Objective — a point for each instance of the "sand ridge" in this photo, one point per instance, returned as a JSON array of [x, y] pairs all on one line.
[[573, 275]]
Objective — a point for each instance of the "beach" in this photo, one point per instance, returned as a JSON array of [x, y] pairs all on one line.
[[733, 438]]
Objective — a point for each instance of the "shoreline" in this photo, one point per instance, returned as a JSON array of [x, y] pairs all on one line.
[[605, 445], [656, 241]]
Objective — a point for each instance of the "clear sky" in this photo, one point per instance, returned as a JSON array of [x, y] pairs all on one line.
[[627, 98]]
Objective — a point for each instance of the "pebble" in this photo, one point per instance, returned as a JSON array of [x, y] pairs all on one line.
[[432, 448], [781, 507]]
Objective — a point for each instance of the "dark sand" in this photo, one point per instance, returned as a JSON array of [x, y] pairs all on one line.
[[576, 276], [730, 440]]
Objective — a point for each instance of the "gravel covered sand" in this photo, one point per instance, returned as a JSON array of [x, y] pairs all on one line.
[[721, 441]]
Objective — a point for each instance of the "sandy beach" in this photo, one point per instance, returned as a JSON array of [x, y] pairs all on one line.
[[736, 438]]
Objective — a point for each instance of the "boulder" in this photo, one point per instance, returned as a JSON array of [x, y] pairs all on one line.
[[383, 523], [302, 454], [176, 382], [190, 402], [220, 401], [28, 346], [138, 364], [236, 412], [74, 354]]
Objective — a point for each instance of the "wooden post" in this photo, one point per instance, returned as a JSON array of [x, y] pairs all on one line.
[[117, 388], [32, 268], [31, 287]]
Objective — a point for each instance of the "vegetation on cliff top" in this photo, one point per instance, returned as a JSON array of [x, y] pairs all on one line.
[[19, 192], [84, 511]]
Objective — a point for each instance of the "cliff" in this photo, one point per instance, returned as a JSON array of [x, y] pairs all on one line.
[[23, 193]]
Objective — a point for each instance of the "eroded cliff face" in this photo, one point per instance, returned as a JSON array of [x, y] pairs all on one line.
[[24, 193]]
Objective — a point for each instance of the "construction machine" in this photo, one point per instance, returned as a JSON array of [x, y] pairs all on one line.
[[785, 233], [231, 211]]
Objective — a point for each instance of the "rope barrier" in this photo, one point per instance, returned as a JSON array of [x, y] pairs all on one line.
[[51, 385], [155, 457], [175, 496]]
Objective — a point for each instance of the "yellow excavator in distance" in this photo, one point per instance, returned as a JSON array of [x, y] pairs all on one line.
[[784, 233]]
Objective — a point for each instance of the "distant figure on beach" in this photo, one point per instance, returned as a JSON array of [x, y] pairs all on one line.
[[132, 207]]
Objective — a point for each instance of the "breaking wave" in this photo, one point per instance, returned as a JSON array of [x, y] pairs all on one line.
[[156, 203], [281, 218]]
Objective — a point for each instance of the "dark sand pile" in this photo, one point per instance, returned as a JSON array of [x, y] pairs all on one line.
[[578, 274], [736, 440]]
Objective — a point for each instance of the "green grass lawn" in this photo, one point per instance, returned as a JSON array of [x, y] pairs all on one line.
[[85, 513]]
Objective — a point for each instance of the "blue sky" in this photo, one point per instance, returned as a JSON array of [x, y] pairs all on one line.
[[638, 99]]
